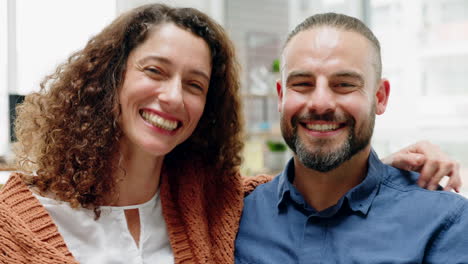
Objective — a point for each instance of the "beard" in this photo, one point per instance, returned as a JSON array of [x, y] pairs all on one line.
[[320, 157]]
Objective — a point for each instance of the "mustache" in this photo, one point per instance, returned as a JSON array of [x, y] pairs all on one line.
[[328, 117]]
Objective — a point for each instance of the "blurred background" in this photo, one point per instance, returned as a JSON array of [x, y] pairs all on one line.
[[424, 49]]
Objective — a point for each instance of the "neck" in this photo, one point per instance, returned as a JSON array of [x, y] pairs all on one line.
[[323, 189], [138, 175]]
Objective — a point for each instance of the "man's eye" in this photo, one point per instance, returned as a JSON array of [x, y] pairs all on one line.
[[302, 84], [345, 85]]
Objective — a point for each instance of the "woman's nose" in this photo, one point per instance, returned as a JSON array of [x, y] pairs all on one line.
[[171, 94]]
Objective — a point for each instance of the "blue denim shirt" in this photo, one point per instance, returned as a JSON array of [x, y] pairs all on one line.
[[385, 219]]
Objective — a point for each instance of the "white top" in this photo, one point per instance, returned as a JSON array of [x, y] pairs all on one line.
[[108, 239]]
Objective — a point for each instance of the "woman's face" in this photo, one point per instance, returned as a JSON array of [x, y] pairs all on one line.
[[164, 90]]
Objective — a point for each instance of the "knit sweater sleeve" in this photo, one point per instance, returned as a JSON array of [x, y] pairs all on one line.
[[250, 183], [27, 232]]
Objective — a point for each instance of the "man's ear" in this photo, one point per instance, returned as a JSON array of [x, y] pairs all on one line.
[[279, 91], [381, 95]]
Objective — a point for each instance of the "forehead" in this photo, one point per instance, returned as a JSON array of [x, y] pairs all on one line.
[[176, 44], [328, 49]]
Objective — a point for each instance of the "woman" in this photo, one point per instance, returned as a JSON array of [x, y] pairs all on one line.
[[130, 151], [98, 131]]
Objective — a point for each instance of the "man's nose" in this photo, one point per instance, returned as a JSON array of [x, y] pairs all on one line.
[[322, 98]]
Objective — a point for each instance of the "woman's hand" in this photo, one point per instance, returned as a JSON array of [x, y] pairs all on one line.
[[431, 162]]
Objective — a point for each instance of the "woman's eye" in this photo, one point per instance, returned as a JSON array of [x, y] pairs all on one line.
[[197, 86], [153, 70]]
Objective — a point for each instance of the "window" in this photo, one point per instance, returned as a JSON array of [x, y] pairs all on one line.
[[35, 36]]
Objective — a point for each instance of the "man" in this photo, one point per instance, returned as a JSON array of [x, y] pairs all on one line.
[[336, 202]]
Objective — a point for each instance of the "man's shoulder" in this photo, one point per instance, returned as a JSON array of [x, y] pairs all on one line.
[[406, 181], [402, 186]]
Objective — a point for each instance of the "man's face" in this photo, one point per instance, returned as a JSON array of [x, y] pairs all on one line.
[[329, 95]]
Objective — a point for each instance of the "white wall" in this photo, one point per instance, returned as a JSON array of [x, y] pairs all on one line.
[[48, 31], [4, 125], [45, 33]]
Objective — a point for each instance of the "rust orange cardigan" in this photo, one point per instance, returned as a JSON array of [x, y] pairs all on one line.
[[202, 218]]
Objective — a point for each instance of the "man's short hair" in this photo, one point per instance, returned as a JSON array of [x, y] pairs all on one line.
[[343, 22]]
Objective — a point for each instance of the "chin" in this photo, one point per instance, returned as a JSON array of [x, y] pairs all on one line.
[[159, 151], [155, 149]]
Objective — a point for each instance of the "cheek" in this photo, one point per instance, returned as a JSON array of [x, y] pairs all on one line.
[[196, 105], [125, 97], [359, 106], [137, 86], [292, 103]]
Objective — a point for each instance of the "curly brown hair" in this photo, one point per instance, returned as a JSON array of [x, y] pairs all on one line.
[[68, 132]]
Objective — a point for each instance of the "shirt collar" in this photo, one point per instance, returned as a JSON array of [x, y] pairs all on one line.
[[286, 178], [359, 198]]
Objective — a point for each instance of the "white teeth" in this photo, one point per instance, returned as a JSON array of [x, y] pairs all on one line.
[[158, 121], [322, 127]]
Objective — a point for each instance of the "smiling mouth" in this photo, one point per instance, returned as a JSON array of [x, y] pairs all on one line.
[[159, 121], [323, 127]]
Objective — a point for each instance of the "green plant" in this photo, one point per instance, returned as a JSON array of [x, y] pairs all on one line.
[[276, 146], [275, 66]]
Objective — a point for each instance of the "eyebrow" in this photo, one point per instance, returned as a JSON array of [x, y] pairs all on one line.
[[349, 74], [156, 58], [307, 74], [201, 74], [169, 62], [299, 74]]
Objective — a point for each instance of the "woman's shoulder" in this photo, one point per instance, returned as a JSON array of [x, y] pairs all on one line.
[[26, 224], [14, 190], [250, 183], [17, 200]]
